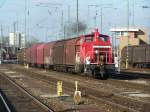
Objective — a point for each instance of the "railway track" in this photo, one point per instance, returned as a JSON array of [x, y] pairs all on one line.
[[17, 99], [135, 74], [117, 101], [3, 105]]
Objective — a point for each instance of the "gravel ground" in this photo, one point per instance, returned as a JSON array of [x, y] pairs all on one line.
[[46, 92], [131, 90], [17, 100]]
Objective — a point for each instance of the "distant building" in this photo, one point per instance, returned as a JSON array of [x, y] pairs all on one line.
[[130, 36], [17, 40], [12, 39], [21, 40]]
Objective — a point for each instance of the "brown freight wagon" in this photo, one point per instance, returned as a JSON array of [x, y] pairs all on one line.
[[64, 53], [148, 55], [40, 55], [58, 56], [139, 56], [124, 55], [48, 55], [33, 54]]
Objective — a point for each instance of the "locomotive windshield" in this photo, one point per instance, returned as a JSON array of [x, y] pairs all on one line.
[[89, 38], [103, 37]]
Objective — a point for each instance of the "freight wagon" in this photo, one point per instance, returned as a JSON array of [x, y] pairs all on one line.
[[48, 55], [32, 55], [40, 55], [138, 56], [90, 53]]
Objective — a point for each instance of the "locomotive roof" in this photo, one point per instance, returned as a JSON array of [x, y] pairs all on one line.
[[87, 35]]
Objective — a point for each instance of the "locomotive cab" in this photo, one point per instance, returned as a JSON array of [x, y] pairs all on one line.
[[96, 53]]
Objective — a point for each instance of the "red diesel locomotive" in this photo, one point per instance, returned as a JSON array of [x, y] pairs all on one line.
[[91, 53]]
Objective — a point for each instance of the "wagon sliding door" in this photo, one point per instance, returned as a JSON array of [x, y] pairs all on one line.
[[58, 53], [70, 52]]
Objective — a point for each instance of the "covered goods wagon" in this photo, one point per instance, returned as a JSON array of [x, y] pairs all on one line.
[[48, 55], [40, 55], [33, 54]]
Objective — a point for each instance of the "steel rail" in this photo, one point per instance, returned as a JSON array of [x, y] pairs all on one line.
[[97, 98], [91, 96], [6, 106], [27, 93], [136, 74], [112, 103]]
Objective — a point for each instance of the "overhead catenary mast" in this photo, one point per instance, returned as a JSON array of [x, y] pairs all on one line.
[[25, 21], [77, 17], [1, 43], [25, 32]]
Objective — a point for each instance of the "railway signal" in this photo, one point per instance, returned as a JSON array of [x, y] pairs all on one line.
[[59, 88]]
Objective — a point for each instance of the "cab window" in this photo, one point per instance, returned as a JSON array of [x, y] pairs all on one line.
[[89, 39], [103, 38]]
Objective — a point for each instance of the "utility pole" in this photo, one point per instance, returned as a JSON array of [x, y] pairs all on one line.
[[1, 33], [101, 20], [15, 43], [77, 17], [1, 43], [127, 35], [68, 14], [96, 18], [62, 22], [67, 32], [64, 31], [133, 14], [25, 30], [25, 21], [101, 11]]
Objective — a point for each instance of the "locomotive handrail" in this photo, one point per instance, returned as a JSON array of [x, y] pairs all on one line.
[[99, 51], [94, 63]]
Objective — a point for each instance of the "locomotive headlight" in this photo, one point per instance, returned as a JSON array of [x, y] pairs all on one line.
[[96, 51]]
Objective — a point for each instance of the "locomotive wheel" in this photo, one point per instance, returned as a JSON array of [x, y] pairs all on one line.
[[101, 72], [94, 73], [104, 76]]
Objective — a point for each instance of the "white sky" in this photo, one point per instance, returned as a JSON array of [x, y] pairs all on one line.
[[45, 21]]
